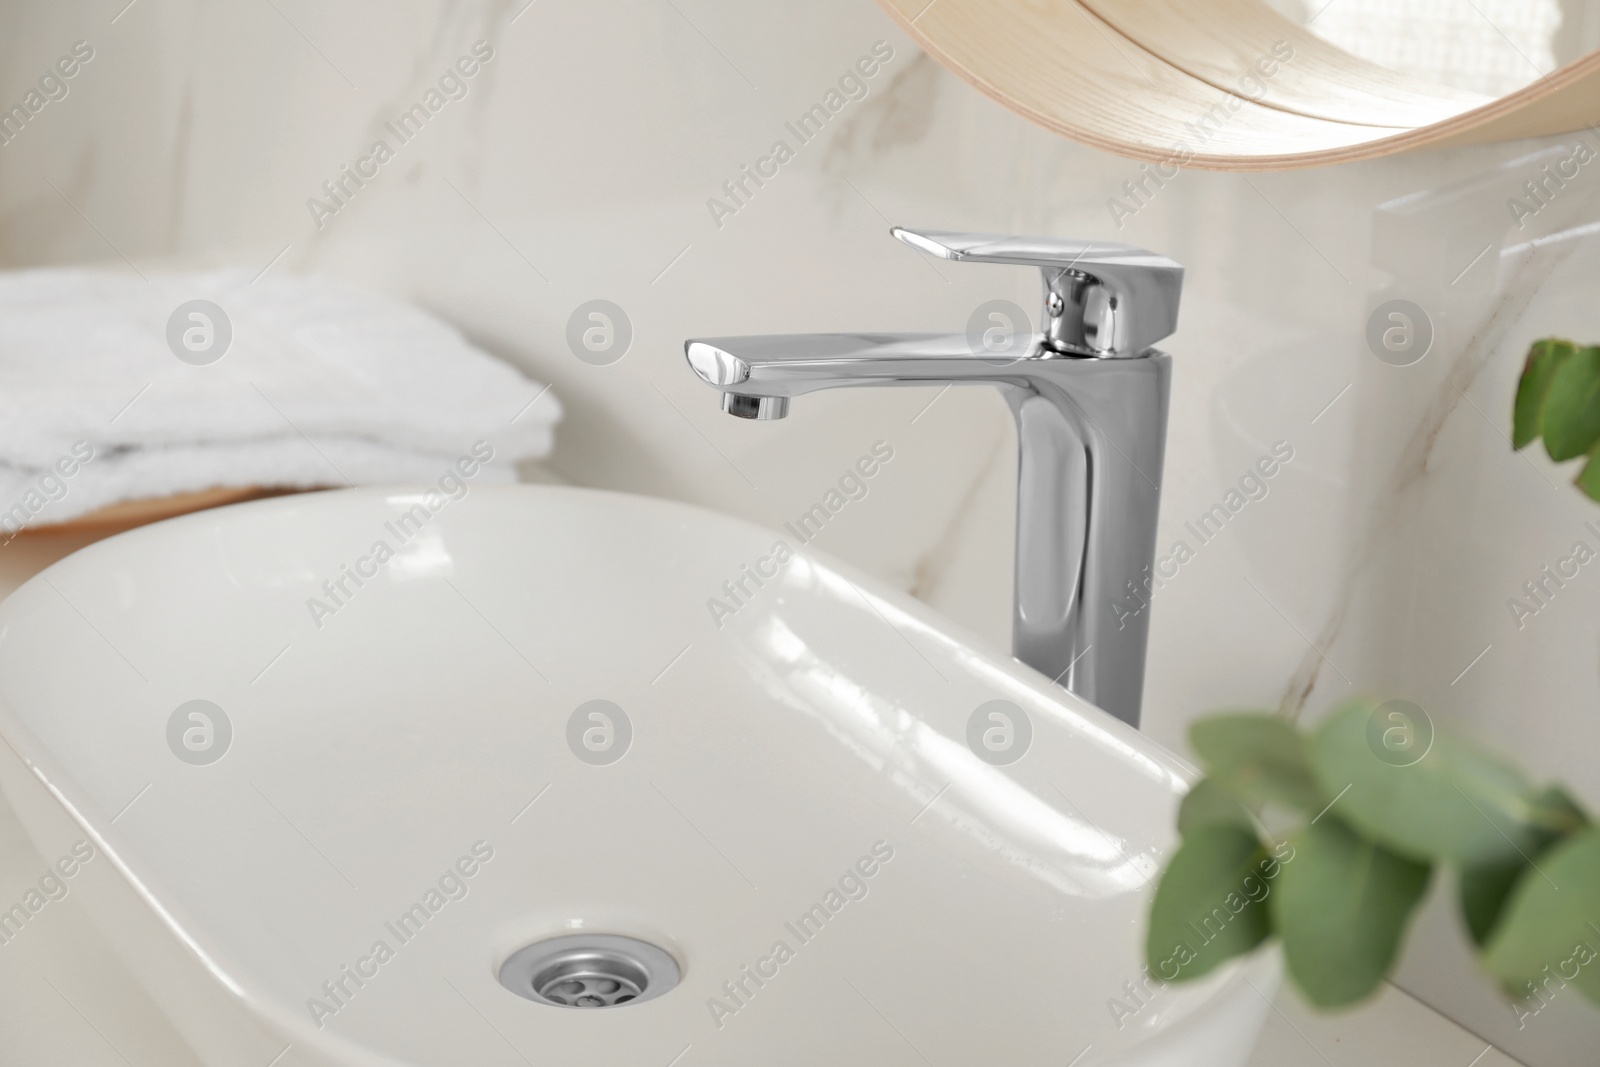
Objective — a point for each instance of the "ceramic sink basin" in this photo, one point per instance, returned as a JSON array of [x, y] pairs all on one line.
[[328, 790]]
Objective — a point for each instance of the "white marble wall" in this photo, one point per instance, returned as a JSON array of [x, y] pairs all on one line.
[[579, 166]]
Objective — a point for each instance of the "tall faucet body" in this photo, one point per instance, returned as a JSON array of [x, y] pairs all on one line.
[[1089, 397], [1091, 434]]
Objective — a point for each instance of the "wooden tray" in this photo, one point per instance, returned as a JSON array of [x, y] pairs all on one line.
[[127, 514]]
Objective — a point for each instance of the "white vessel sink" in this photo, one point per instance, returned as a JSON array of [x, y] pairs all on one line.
[[808, 756]]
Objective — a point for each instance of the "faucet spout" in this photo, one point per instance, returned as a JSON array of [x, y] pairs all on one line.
[[1091, 431], [789, 365]]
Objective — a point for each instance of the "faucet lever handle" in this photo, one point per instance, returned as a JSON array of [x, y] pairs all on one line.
[[1100, 298]]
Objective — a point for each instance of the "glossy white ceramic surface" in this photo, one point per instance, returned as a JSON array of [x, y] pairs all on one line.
[[422, 726]]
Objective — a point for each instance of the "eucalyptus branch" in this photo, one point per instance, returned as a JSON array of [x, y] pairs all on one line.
[[1374, 803]]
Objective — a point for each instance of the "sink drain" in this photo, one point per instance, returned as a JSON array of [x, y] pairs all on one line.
[[590, 971]]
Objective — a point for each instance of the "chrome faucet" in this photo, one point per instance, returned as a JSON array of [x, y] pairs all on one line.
[[1089, 395]]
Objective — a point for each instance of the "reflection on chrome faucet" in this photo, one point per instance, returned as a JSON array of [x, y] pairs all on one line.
[[1089, 396]]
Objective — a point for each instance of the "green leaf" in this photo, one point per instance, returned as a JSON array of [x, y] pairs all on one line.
[[1341, 906], [1571, 420], [1208, 804], [1258, 758], [1552, 921], [1208, 906], [1588, 479], [1453, 802], [1528, 415], [1485, 888], [1555, 811]]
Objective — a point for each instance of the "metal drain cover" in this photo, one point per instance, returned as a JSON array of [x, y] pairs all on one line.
[[590, 971]]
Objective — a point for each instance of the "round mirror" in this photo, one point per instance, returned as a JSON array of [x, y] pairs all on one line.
[[1489, 47], [1267, 84]]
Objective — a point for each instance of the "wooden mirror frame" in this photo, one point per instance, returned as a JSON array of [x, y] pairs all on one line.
[[1220, 84]]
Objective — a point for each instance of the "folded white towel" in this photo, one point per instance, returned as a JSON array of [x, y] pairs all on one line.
[[319, 386]]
